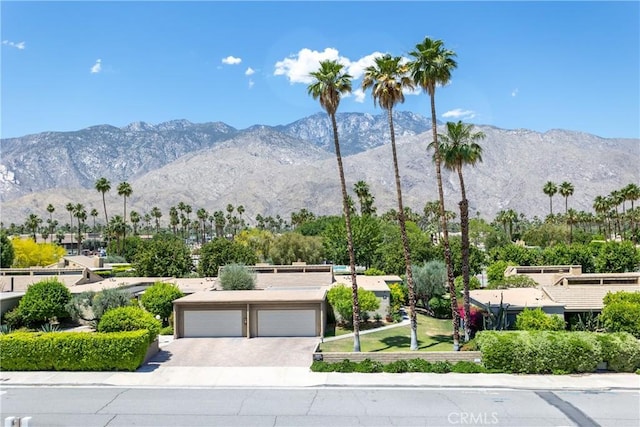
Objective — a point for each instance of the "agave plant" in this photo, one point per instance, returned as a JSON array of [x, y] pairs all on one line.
[[50, 327]]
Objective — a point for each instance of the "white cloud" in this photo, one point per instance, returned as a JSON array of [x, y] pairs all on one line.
[[514, 92], [358, 95], [297, 68], [251, 83], [459, 114], [249, 71], [356, 68], [231, 60], [97, 67], [19, 45]]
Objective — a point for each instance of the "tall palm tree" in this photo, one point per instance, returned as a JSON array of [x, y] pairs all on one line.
[[329, 84], [157, 214], [94, 215], [571, 218], [69, 207], [174, 220], [202, 216], [32, 223], [135, 220], [431, 67], [632, 193], [387, 78], [80, 213], [601, 206], [566, 190], [103, 186], [51, 209], [459, 147], [124, 190], [550, 189]]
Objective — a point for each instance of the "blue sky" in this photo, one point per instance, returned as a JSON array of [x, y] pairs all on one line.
[[533, 65]]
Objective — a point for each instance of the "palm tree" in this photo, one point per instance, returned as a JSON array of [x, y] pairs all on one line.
[[32, 223], [135, 219], [94, 215], [124, 190], [202, 216], [387, 80], [571, 218], [632, 193], [601, 206], [457, 148], [81, 213], [51, 209], [330, 83], [69, 207], [157, 214], [174, 220], [566, 190], [103, 185], [116, 227], [550, 189], [431, 67]]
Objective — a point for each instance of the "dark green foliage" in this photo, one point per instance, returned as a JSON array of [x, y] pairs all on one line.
[[429, 280], [167, 330], [516, 255], [474, 283], [6, 250], [538, 320], [440, 307], [464, 367], [237, 277], [477, 258], [158, 299], [367, 236], [164, 256], [495, 272], [13, 318], [73, 351], [543, 352], [221, 251], [341, 299], [368, 366], [132, 245], [130, 319], [44, 301], [517, 281], [291, 247], [397, 367], [575, 254], [617, 257], [621, 312], [373, 272]]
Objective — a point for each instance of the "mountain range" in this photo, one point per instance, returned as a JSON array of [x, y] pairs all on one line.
[[281, 169]]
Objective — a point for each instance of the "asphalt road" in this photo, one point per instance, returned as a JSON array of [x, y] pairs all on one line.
[[389, 406]]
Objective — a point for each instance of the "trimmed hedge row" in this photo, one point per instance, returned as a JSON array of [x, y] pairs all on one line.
[[399, 366], [73, 351], [558, 352]]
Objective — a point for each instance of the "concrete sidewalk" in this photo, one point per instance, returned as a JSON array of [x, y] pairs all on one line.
[[164, 376]]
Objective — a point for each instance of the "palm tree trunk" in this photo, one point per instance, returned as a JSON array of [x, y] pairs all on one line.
[[104, 205], [464, 228], [551, 205], [405, 240], [445, 233], [347, 220]]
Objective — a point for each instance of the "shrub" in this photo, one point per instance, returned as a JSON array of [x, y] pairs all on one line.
[[539, 352], [620, 350], [397, 298], [517, 281], [130, 319], [371, 271], [495, 271], [368, 366], [44, 301], [91, 306], [538, 320], [73, 351], [13, 318], [441, 307], [167, 330], [621, 312], [341, 299], [398, 366], [158, 299], [235, 277]]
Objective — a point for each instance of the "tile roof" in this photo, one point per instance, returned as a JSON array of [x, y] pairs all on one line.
[[584, 298]]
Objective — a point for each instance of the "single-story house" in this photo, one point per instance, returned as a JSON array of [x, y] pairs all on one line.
[[379, 285], [254, 313], [514, 301]]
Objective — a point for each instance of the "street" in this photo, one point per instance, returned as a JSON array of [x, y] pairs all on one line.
[[319, 406]]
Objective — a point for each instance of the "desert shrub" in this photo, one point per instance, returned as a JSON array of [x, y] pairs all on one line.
[[620, 350], [621, 312], [539, 352], [368, 366], [237, 277], [130, 319], [538, 320], [91, 306], [73, 351], [440, 307], [158, 299], [44, 301]]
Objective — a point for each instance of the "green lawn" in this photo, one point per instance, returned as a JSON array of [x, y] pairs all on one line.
[[433, 335]]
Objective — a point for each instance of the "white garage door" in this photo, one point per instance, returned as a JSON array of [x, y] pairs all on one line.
[[287, 323], [213, 323]]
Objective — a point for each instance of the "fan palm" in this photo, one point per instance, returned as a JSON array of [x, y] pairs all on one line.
[[387, 78], [330, 82], [124, 190], [566, 190], [550, 189], [431, 66], [459, 147], [103, 186]]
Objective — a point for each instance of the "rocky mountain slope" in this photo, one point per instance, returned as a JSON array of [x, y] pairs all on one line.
[[278, 170]]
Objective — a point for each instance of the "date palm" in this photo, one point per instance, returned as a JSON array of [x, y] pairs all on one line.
[[330, 82], [124, 190], [103, 186], [388, 78], [566, 190], [459, 147], [431, 67], [550, 189]]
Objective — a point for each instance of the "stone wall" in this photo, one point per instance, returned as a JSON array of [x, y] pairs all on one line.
[[386, 357]]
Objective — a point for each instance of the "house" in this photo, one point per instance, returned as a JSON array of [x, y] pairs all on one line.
[[379, 285]]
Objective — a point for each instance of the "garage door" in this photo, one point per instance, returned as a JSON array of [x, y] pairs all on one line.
[[213, 323], [287, 323]]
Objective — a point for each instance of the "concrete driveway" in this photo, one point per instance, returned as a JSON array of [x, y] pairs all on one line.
[[237, 352]]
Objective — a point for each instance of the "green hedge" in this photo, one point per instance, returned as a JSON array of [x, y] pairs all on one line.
[[73, 351], [399, 366], [558, 352], [130, 318]]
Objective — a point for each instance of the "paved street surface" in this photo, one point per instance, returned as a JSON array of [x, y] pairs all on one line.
[[391, 406]]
